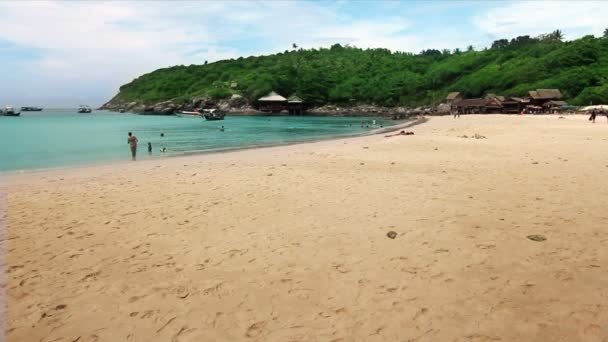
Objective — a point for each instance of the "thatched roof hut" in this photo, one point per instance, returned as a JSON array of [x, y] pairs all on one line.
[[545, 94], [272, 97], [453, 97], [295, 99], [272, 102]]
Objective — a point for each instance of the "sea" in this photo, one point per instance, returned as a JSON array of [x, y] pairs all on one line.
[[62, 137]]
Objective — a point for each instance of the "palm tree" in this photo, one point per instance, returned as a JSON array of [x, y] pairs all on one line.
[[606, 33], [470, 48], [558, 35], [295, 46]]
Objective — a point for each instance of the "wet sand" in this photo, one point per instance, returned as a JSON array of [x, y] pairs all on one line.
[[290, 243]]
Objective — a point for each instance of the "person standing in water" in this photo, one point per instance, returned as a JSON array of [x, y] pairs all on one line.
[[149, 148], [132, 141]]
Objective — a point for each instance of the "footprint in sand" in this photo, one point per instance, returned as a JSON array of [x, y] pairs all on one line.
[[255, 329]]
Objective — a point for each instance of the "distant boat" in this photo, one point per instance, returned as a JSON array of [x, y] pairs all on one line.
[[31, 109], [84, 109], [189, 114], [213, 114], [10, 111]]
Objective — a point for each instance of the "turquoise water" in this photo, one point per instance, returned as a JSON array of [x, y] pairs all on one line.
[[47, 139]]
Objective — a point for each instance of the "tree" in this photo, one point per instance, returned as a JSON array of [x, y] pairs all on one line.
[[294, 46], [500, 44], [557, 35], [457, 51], [606, 33], [470, 48], [205, 62]]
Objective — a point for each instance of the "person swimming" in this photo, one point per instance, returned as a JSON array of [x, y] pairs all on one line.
[[222, 129]]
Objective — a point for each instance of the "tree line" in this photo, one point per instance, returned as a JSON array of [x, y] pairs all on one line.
[[347, 75]]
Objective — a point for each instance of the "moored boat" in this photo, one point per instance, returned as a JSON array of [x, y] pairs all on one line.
[[84, 109], [10, 111], [213, 114], [31, 109], [188, 114]]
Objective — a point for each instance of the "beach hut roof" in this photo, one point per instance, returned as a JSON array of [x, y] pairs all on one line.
[[453, 95], [294, 99], [540, 94], [555, 103], [272, 96]]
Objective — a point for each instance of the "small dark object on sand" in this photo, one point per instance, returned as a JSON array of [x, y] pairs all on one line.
[[400, 133], [536, 237], [391, 234]]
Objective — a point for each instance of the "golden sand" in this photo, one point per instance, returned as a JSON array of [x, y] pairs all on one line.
[[290, 243]]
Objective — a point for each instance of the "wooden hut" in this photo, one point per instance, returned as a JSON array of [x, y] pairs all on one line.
[[513, 105], [538, 97], [478, 106], [453, 97], [272, 102], [553, 105], [295, 105]]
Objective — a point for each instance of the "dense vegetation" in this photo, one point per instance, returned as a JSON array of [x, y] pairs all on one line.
[[350, 75]]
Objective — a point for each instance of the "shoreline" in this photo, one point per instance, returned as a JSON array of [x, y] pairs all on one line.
[[407, 123]]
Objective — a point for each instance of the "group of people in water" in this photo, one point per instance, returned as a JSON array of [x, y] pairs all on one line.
[[132, 141]]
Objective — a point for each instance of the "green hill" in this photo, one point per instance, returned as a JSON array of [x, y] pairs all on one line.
[[350, 75]]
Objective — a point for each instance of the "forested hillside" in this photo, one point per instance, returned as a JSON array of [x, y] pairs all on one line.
[[349, 75]]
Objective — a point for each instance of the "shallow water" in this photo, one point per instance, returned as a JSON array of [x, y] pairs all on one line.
[[56, 138]]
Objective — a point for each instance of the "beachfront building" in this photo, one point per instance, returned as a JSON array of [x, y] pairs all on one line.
[[485, 105], [554, 106], [453, 97], [272, 102], [538, 97], [513, 105], [295, 105]]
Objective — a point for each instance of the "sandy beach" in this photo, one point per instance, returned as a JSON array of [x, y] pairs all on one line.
[[290, 243]]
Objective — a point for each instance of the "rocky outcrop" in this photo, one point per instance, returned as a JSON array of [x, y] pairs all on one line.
[[367, 110], [164, 108], [238, 105]]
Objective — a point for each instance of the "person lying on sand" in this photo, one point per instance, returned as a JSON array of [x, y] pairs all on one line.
[[400, 133]]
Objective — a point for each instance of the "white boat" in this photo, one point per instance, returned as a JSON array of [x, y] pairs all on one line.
[[10, 111], [84, 109], [188, 114]]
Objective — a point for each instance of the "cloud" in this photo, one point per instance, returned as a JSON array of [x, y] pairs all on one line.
[[574, 18], [110, 43], [87, 49]]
